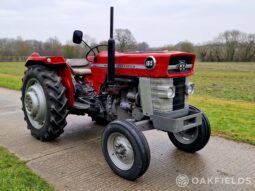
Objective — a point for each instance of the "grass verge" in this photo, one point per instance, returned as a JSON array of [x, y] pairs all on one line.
[[16, 176], [11, 74], [229, 118]]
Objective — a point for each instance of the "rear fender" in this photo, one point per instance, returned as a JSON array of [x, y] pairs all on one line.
[[35, 58], [62, 69]]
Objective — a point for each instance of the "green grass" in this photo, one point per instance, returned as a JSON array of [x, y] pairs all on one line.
[[226, 92], [11, 74], [230, 119], [16, 176], [235, 81]]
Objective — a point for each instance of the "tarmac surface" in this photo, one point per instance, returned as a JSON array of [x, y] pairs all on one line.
[[75, 161]]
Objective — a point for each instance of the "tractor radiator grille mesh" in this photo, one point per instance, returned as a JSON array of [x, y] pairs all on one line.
[[158, 86], [179, 99]]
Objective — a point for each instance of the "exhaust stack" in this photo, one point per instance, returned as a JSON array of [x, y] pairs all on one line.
[[111, 51]]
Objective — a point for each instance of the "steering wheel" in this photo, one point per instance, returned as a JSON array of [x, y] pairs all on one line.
[[92, 50]]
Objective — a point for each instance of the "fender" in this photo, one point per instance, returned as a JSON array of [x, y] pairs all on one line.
[[62, 69], [47, 60]]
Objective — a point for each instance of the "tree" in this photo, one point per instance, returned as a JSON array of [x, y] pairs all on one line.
[[125, 40], [73, 51], [229, 46], [231, 40], [53, 47], [103, 48], [248, 48], [22, 47], [69, 51], [185, 46], [142, 46]]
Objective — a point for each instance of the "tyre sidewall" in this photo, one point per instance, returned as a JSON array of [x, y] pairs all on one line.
[[43, 132], [204, 132], [141, 151]]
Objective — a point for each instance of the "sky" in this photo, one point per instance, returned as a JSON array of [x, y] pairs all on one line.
[[158, 22]]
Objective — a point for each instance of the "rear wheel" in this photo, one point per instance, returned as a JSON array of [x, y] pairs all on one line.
[[125, 149], [44, 103], [193, 139]]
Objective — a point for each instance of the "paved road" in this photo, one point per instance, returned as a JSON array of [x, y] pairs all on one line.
[[75, 162]]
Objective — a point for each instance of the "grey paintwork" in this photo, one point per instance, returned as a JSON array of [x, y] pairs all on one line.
[[145, 94], [170, 124]]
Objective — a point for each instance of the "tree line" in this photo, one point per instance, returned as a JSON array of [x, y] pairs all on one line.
[[228, 46]]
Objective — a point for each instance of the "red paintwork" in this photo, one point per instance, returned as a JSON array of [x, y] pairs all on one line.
[[63, 71], [35, 57], [99, 75], [138, 58]]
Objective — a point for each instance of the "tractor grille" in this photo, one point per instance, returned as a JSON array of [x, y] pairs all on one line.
[[179, 99], [165, 104], [158, 103], [177, 61]]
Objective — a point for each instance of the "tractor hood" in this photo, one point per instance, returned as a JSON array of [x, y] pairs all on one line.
[[149, 64]]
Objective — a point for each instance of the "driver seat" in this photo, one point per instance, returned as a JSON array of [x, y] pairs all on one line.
[[79, 67]]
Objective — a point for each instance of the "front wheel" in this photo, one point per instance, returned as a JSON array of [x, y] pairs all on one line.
[[125, 149], [193, 139]]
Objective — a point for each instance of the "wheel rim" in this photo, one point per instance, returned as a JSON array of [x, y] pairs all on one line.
[[35, 103], [188, 136], [120, 151]]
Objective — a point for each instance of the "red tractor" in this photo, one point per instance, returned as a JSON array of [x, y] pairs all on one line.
[[131, 92]]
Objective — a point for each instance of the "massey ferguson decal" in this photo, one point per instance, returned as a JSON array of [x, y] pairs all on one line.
[[182, 65]]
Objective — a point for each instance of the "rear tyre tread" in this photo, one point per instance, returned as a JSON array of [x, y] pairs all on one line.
[[56, 102]]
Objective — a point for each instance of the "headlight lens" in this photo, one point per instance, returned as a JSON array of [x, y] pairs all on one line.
[[48, 60], [170, 92], [190, 88]]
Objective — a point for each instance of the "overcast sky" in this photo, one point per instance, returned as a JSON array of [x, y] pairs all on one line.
[[157, 22]]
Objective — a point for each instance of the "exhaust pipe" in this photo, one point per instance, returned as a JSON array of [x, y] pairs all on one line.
[[111, 51]]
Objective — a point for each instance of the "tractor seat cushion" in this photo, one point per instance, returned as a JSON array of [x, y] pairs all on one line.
[[79, 66], [80, 71], [77, 62]]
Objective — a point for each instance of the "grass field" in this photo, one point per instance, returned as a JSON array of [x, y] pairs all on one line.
[[235, 81], [226, 92], [11, 74], [230, 119], [15, 176]]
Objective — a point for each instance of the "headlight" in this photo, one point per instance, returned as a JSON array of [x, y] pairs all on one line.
[[170, 93], [190, 88], [48, 60]]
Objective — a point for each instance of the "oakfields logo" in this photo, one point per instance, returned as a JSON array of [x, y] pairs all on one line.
[[183, 180]]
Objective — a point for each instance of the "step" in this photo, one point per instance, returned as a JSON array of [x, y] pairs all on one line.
[[81, 106]]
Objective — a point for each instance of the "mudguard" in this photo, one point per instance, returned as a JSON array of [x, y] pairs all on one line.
[[60, 67]]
